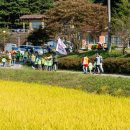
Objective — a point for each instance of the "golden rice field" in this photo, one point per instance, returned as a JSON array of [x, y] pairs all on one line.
[[25, 106]]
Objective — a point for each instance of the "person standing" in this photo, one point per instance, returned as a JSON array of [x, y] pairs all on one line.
[[90, 66], [9, 58], [85, 64], [39, 62], [101, 62], [98, 63], [35, 63], [25, 57], [33, 58], [45, 63], [55, 62], [13, 58], [50, 63], [4, 60], [18, 56]]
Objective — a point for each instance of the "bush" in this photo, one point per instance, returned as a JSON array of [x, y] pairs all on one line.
[[113, 47], [117, 65], [115, 53], [111, 65], [72, 63]]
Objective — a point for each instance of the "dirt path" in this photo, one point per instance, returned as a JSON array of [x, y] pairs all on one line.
[[109, 75], [15, 66]]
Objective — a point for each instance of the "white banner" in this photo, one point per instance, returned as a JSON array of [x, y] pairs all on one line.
[[61, 47]]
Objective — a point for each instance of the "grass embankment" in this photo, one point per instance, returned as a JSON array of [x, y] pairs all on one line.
[[25, 106], [90, 83]]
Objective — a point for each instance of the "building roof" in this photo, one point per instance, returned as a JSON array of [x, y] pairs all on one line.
[[32, 17]]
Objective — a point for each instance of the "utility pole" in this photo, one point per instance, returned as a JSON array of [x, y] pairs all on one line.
[[109, 25]]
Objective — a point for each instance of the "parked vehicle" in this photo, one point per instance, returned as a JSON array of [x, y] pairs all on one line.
[[30, 49], [25, 47], [15, 48], [18, 30], [9, 46], [38, 50], [22, 47], [45, 50], [51, 43]]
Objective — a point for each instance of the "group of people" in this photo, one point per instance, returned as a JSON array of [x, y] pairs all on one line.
[[36, 61], [96, 67], [12, 57], [50, 62], [46, 63]]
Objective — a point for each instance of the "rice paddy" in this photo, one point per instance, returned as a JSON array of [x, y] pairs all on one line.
[[30, 106]]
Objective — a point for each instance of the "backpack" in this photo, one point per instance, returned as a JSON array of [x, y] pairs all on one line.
[[101, 60]]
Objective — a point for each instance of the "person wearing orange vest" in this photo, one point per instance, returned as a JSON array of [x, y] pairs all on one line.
[[85, 64]]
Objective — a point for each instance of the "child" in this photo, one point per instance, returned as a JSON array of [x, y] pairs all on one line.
[[43, 62], [18, 56], [13, 58], [9, 58], [85, 64], [94, 67], [4, 61], [25, 57], [90, 66], [55, 62], [35, 63], [39, 63], [50, 63], [33, 58]]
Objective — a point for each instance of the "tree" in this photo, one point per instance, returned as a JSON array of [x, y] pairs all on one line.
[[38, 36], [11, 10], [75, 15], [4, 36], [121, 22]]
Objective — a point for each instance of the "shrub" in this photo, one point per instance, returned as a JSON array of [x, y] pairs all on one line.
[[115, 53], [70, 63], [113, 47], [117, 65]]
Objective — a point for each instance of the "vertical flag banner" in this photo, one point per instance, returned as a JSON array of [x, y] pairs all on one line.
[[61, 47]]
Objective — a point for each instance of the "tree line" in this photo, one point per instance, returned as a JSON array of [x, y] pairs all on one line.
[[11, 10]]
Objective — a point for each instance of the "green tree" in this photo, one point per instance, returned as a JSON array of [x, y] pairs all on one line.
[[4, 36], [39, 36], [11, 10], [121, 22]]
